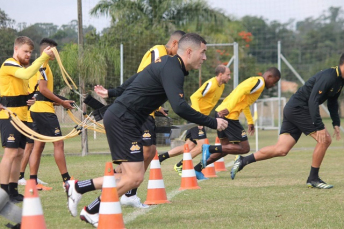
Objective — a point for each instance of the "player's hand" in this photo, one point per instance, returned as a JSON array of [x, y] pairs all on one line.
[[336, 133], [221, 124], [50, 53], [67, 104], [1, 107], [321, 136], [162, 111], [223, 113], [30, 102], [250, 129], [102, 92]]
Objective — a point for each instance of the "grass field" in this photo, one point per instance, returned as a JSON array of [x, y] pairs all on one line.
[[267, 194]]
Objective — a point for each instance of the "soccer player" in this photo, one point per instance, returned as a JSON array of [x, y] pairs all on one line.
[[234, 138], [301, 115], [45, 119], [203, 100], [160, 81], [14, 96]]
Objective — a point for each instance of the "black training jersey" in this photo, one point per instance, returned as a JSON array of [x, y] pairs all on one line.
[[325, 85], [157, 83]]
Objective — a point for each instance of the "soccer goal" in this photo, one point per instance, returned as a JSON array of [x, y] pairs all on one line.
[[267, 110]]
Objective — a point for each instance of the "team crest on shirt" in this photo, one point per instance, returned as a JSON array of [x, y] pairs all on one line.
[[181, 95], [243, 134], [135, 148], [146, 135], [57, 131], [200, 132], [11, 138], [158, 60]]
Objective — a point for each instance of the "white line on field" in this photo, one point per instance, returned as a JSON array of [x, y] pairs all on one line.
[[132, 216]]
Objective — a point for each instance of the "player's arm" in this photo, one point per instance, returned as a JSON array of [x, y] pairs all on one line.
[[333, 107]]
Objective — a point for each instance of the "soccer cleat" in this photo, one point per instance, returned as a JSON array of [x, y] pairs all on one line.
[[200, 176], [63, 184], [237, 166], [318, 183], [133, 201], [205, 155], [22, 181], [16, 198], [73, 197], [178, 169], [41, 187], [41, 182], [89, 218]]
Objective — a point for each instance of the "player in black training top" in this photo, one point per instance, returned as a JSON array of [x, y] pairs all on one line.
[[301, 115]]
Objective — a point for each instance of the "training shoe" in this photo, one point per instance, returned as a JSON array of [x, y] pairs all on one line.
[[178, 169], [133, 201], [73, 197], [16, 198], [41, 187], [63, 183], [205, 155], [200, 176], [22, 181], [41, 182], [318, 183], [237, 166], [89, 218]]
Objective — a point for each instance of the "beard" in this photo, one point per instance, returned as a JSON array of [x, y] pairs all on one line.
[[23, 61]]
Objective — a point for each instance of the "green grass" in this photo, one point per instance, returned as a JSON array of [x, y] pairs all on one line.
[[267, 194]]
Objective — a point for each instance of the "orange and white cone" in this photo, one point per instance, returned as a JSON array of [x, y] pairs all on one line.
[[209, 170], [219, 164], [156, 193], [110, 212], [32, 215], [189, 180]]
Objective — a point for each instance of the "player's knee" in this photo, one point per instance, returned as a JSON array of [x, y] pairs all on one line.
[[281, 152]]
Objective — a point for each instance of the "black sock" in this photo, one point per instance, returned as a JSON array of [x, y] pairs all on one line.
[[21, 175], [65, 176], [314, 173], [5, 187], [163, 157], [131, 192], [93, 207], [248, 160], [180, 163], [84, 186], [198, 167], [215, 149], [34, 177], [13, 189]]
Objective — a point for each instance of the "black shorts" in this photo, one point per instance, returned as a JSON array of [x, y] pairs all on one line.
[[297, 120], [234, 131], [30, 125], [195, 134], [46, 123], [124, 137], [148, 130], [10, 136]]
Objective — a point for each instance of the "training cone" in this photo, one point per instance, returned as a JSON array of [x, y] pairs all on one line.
[[110, 212], [189, 180], [32, 215], [219, 164], [209, 170], [156, 193]]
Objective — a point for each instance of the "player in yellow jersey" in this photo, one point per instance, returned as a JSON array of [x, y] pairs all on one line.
[[45, 119], [234, 138], [14, 96], [203, 100]]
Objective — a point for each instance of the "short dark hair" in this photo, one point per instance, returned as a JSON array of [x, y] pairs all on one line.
[[24, 40], [178, 33], [48, 41], [341, 59], [220, 69], [275, 72], [192, 37]]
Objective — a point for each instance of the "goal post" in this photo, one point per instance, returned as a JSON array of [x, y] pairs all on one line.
[[268, 115]]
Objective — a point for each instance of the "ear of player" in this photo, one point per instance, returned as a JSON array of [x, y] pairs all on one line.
[[209, 170], [110, 212], [189, 180], [156, 193]]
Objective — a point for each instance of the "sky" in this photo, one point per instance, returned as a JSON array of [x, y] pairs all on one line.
[[61, 12]]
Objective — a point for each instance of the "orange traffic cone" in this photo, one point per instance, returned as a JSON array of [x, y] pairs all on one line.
[[189, 180], [219, 164], [209, 170], [110, 212], [32, 216], [156, 193]]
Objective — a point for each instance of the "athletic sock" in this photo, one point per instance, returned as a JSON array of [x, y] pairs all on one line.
[[131, 192], [215, 149], [84, 186], [13, 189], [198, 167], [34, 177], [65, 177], [314, 174], [5, 187], [21, 175], [180, 163], [163, 157], [248, 160], [93, 207]]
